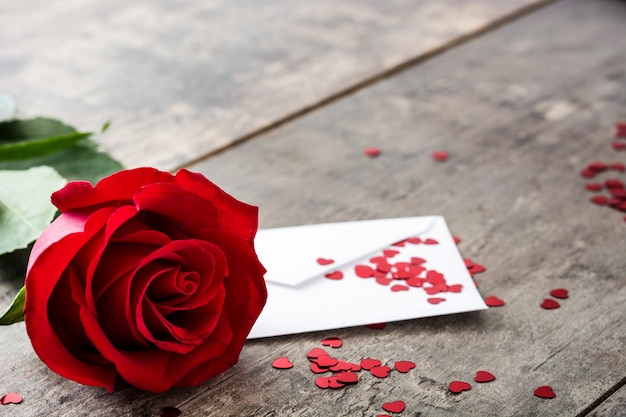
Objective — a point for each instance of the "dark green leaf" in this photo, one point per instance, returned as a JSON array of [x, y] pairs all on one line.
[[33, 148], [106, 126], [15, 313], [29, 129], [81, 162], [25, 207]]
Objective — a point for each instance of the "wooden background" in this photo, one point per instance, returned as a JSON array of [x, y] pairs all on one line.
[[274, 101]]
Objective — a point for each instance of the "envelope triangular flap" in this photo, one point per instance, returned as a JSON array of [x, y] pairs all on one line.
[[290, 253]]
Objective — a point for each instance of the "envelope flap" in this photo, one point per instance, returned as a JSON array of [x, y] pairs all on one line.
[[290, 253]]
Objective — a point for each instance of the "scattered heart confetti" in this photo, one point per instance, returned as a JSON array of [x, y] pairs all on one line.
[[620, 130], [484, 376], [493, 301], [322, 382], [325, 361], [594, 186], [369, 363], [364, 271], [545, 391], [435, 300], [333, 342], [337, 275], [404, 366], [394, 407], [347, 377], [398, 287], [325, 261], [372, 152], [440, 156], [377, 326], [550, 304], [170, 412], [380, 371], [316, 353], [430, 241], [11, 398], [457, 239], [459, 386], [618, 146], [316, 369], [561, 293], [334, 383], [282, 363]]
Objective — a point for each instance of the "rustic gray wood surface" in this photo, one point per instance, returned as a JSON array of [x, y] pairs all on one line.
[[185, 78], [521, 110]]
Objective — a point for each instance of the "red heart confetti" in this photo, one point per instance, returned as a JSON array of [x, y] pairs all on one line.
[[440, 156], [316, 369], [414, 240], [550, 304], [170, 412], [369, 363], [493, 301], [404, 366], [282, 363], [316, 353], [325, 261], [337, 275], [380, 371], [561, 293], [620, 130], [347, 377], [618, 166], [455, 288], [325, 361], [334, 383], [484, 376], [459, 386], [398, 288], [394, 407], [435, 300], [333, 342], [322, 382], [390, 253], [545, 391], [377, 326], [372, 152], [618, 146], [430, 241], [457, 239], [594, 186], [364, 271], [11, 398]]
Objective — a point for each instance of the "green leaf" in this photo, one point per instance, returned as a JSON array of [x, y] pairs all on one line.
[[15, 313], [106, 126], [81, 162], [25, 207], [28, 129], [39, 147]]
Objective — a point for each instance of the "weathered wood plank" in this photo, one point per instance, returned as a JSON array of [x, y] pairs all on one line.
[[614, 406], [521, 110], [180, 79]]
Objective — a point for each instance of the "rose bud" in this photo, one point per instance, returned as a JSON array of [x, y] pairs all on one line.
[[147, 275]]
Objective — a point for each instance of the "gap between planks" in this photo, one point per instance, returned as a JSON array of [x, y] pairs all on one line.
[[369, 81], [602, 398]]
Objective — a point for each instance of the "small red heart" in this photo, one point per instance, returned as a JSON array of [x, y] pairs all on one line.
[[435, 300], [594, 186], [599, 200], [415, 282], [559, 293], [550, 304], [618, 166], [316, 353], [620, 130], [337, 275], [170, 412], [325, 361], [404, 366], [383, 280], [334, 383], [455, 288], [347, 377], [380, 371], [11, 398], [430, 241], [372, 152], [325, 261], [282, 363], [440, 156], [369, 363], [414, 240], [390, 253], [342, 366], [398, 287], [333, 342], [458, 386], [457, 239], [417, 261], [316, 369], [545, 391], [618, 146], [322, 382], [364, 271], [484, 376], [394, 407], [493, 301], [377, 326]]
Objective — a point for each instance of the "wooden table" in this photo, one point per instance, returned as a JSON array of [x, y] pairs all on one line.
[[275, 101]]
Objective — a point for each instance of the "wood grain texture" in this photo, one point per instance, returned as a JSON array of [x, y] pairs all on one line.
[[180, 79], [521, 110], [613, 406]]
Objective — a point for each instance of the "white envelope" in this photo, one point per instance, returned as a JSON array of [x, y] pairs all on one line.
[[301, 299]]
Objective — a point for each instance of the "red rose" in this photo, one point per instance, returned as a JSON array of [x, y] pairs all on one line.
[[147, 275]]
